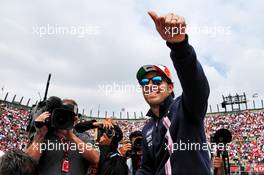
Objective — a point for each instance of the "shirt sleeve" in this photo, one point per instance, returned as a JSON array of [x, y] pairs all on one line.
[[192, 78]]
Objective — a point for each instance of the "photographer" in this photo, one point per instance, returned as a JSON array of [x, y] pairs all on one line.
[[75, 150], [111, 162], [220, 160], [133, 151]]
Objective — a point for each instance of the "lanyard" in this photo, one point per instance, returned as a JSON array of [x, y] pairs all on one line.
[[65, 167]]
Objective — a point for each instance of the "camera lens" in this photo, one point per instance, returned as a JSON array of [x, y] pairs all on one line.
[[138, 143], [62, 119], [109, 133]]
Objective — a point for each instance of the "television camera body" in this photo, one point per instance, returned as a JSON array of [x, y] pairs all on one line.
[[62, 115]]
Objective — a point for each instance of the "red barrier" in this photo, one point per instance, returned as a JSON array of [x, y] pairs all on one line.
[[256, 168]]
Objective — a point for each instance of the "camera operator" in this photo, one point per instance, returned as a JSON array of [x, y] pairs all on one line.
[[133, 151], [77, 151], [111, 162], [220, 159]]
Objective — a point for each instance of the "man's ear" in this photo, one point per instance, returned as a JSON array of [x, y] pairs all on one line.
[[170, 87]]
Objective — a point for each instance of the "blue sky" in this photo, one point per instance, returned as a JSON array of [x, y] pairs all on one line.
[[122, 38]]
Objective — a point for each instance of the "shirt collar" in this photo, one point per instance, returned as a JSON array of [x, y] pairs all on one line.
[[164, 107]]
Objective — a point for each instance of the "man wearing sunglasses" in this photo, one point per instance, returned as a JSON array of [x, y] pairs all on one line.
[[174, 138]]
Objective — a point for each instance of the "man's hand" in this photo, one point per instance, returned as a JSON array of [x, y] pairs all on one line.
[[123, 149], [34, 149], [42, 117], [218, 162], [171, 27], [41, 132], [105, 124], [89, 153]]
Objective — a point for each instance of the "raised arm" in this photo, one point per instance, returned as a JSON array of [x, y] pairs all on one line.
[[195, 86], [191, 75]]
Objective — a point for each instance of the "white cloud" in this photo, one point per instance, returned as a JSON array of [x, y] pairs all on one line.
[[126, 40]]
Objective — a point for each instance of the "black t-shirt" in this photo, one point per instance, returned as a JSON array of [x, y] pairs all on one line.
[[111, 163], [51, 160]]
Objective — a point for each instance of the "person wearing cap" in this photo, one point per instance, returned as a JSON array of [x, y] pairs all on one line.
[[174, 137]]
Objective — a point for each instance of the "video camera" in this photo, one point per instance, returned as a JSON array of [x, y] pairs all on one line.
[[62, 115]]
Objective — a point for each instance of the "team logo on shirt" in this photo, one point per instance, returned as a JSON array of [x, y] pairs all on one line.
[[149, 137]]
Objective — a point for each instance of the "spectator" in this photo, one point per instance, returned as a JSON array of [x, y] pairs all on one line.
[[247, 129], [17, 162]]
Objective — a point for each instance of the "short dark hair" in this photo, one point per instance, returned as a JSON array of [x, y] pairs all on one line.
[[17, 162], [70, 101], [74, 105], [135, 134]]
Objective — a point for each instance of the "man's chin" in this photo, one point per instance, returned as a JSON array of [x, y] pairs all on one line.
[[153, 101]]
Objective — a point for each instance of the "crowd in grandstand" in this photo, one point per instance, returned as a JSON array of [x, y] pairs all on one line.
[[130, 126], [247, 130], [13, 124]]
